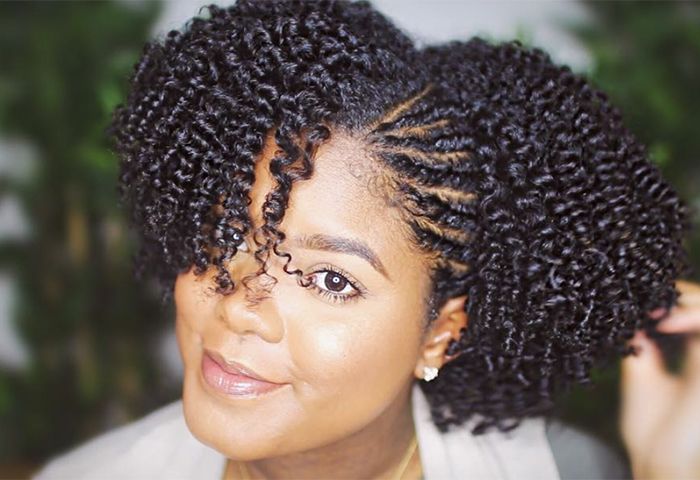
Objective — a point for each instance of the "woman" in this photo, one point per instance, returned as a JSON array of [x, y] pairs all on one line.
[[386, 262]]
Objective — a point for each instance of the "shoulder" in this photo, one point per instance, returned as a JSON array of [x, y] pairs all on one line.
[[150, 444], [579, 454], [457, 452]]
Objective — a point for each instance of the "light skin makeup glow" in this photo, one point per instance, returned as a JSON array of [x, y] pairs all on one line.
[[347, 348]]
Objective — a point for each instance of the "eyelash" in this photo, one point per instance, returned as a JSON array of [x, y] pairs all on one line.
[[333, 296]]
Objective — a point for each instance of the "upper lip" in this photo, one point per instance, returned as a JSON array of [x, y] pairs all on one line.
[[234, 367]]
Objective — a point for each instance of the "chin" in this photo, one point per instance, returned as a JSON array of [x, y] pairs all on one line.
[[208, 421], [239, 428]]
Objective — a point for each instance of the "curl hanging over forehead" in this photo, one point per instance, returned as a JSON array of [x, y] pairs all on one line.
[[202, 100]]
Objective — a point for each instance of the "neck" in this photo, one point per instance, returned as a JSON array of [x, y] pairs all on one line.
[[375, 451]]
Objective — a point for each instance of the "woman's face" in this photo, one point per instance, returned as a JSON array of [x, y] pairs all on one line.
[[344, 350]]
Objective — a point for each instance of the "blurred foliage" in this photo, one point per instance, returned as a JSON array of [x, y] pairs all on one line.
[[89, 328], [646, 57]]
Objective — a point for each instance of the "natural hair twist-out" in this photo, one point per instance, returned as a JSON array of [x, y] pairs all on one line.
[[514, 176]]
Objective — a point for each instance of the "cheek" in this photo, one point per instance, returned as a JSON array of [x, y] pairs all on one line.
[[351, 351], [323, 352], [191, 307]]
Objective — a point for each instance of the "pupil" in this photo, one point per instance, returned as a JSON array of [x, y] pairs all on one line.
[[335, 282]]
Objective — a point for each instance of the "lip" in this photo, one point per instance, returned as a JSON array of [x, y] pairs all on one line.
[[232, 378]]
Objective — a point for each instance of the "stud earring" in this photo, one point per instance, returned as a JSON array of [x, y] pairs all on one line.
[[429, 373]]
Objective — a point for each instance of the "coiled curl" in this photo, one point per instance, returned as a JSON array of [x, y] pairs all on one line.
[[514, 175]]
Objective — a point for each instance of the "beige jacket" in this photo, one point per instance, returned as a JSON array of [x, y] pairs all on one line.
[[160, 445]]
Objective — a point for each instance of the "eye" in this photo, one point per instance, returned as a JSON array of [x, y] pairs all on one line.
[[334, 282], [335, 285]]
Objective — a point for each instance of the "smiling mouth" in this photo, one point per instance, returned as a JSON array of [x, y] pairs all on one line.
[[231, 381]]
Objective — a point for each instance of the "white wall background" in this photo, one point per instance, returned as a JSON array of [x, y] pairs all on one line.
[[439, 20]]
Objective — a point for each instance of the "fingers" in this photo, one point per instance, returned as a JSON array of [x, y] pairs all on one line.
[[685, 318], [644, 377], [688, 300], [691, 368], [658, 313], [647, 393], [686, 321], [681, 320], [690, 293], [647, 367]]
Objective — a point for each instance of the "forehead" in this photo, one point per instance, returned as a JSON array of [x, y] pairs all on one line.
[[347, 195]]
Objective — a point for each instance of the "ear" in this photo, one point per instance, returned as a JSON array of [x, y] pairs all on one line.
[[447, 326]]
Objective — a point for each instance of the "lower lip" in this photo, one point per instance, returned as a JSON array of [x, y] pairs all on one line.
[[231, 384]]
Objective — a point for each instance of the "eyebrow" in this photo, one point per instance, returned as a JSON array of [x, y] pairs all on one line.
[[330, 243]]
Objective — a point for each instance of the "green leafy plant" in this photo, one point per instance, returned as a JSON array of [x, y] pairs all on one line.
[[88, 326]]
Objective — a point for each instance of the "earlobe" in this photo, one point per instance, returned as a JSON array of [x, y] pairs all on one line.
[[448, 326]]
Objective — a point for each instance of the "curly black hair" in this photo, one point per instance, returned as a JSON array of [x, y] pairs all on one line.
[[514, 174]]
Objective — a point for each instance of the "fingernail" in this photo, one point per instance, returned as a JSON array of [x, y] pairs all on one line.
[[679, 320], [657, 313]]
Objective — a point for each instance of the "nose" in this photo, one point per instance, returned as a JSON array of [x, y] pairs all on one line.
[[252, 309]]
